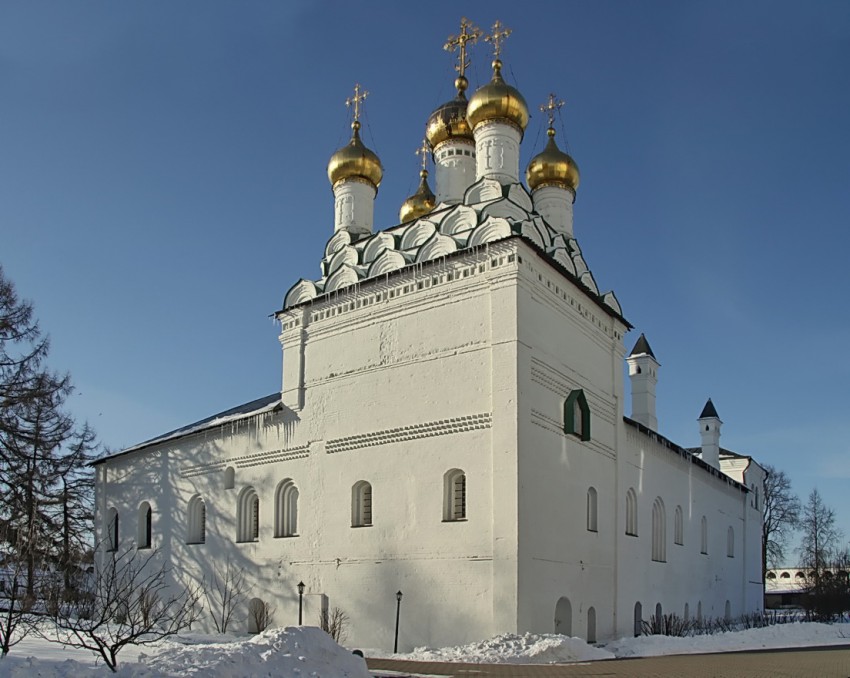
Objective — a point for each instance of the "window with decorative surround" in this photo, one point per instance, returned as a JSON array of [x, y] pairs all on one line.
[[577, 415], [248, 516], [286, 509], [454, 495], [196, 532], [361, 504], [591, 509], [143, 532], [631, 513]]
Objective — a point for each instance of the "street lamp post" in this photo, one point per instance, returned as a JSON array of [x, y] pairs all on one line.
[[300, 602], [397, 613]]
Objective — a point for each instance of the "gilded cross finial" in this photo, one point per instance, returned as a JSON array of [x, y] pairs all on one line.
[[550, 107], [356, 100], [424, 151], [496, 37], [468, 34]]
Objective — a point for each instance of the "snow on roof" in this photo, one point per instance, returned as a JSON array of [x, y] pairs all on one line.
[[250, 409]]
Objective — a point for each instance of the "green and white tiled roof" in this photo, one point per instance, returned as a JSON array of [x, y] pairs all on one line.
[[490, 212]]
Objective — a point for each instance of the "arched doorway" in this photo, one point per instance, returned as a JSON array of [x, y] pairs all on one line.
[[638, 619], [256, 616], [591, 625], [564, 616]]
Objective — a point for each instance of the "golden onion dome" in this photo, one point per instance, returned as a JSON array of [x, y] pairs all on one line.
[[420, 203], [354, 160], [449, 120], [552, 167], [497, 100]]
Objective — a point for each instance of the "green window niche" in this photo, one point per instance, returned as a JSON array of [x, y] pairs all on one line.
[[577, 415]]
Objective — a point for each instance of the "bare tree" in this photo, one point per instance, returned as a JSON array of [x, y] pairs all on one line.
[[781, 515], [261, 613], [15, 607], [335, 624], [128, 601], [225, 591], [819, 550], [820, 535]]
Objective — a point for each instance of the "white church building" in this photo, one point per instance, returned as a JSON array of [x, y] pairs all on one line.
[[451, 425]]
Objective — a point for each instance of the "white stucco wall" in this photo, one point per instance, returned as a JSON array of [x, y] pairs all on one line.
[[460, 363]]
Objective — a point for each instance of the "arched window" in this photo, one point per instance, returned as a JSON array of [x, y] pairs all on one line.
[[727, 614], [678, 527], [591, 509], [197, 523], [703, 548], [631, 513], [112, 529], [730, 542], [659, 531], [577, 415], [143, 529], [785, 575], [591, 625], [229, 478], [286, 509], [699, 612], [638, 619], [361, 504], [454, 495], [248, 515], [771, 575], [799, 575], [687, 612], [659, 616]]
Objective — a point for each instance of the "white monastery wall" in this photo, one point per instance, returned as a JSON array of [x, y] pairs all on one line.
[[393, 397], [462, 364], [703, 581], [566, 343]]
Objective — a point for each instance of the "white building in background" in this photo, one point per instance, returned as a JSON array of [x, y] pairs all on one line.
[[451, 425]]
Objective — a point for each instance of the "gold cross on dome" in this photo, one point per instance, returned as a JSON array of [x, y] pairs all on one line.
[[424, 151], [356, 100], [496, 37], [468, 34], [551, 106]]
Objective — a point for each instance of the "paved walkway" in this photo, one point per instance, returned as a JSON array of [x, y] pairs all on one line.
[[824, 662]]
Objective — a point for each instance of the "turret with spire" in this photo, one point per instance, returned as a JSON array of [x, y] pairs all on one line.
[[709, 431], [643, 373], [553, 178], [448, 131], [355, 173], [498, 115]]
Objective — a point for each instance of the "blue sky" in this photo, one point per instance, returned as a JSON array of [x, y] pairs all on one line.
[[162, 185]]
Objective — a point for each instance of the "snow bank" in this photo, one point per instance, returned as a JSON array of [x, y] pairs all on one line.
[[509, 648], [294, 651], [799, 634]]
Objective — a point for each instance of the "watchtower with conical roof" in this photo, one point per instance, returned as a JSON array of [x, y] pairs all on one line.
[[709, 431], [643, 373]]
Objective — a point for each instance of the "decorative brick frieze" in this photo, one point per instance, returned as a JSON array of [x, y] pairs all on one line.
[[441, 427]]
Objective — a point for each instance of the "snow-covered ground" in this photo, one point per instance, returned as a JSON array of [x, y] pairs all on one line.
[[309, 652]]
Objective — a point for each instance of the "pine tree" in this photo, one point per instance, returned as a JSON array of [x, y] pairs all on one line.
[[45, 485]]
